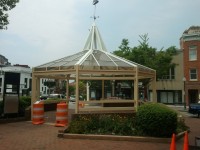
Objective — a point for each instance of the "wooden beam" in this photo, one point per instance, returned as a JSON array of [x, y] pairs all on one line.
[[154, 89], [106, 78], [136, 90], [77, 90], [33, 93], [101, 109]]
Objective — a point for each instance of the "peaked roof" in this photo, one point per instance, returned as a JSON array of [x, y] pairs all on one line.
[[94, 56], [94, 40]]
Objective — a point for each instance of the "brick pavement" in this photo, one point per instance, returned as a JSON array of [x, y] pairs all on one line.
[[25, 136]]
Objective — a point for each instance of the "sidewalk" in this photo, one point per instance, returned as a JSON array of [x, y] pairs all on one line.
[[25, 136]]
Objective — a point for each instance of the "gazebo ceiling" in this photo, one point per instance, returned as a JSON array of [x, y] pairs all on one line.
[[93, 58]]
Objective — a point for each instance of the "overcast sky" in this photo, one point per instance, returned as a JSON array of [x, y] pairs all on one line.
[[41, 31]]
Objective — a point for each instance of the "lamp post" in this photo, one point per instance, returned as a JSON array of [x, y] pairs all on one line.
[[184, 79]]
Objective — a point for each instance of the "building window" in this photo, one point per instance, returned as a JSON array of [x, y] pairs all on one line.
[[0, 81], [30, 83], [172, 72], [25, 82], [193, 74], [192, 53]]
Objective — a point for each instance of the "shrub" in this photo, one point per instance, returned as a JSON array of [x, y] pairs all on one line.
[[181, 126], [118, 124], [154, 119], [24, 102]]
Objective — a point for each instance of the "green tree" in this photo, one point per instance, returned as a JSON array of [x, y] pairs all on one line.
[[49, 84], [6, 5], [148, 56], [124, 49], [163, 61]]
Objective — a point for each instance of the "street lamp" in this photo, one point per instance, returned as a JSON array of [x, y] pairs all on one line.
[[184, 79]]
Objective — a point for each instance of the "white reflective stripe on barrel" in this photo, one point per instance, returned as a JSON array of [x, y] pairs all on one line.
[[38, 116], [61, 118]]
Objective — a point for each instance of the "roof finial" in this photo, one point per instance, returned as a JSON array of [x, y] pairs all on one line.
[[94, 3]]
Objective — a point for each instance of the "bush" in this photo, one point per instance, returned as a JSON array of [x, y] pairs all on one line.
[[152, 119], [157, 120], [24, 102], [117, 124], [181, 127]]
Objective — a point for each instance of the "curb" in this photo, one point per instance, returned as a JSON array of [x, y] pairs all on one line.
[[118, 138]]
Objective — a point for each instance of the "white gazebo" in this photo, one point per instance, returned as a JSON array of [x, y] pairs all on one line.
[[94, 63]]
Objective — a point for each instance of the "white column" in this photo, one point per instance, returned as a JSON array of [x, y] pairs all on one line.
[[88, 91]]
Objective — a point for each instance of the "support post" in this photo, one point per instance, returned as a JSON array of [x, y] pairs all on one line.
[[77, 89], [88, 91], [154, 89], [136, 89], [67, 89]]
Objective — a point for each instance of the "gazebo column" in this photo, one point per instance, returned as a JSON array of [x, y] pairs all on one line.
[[136, 89], [88, 91], [154, 89], [38, 89], [35, 91], [77, 89], [113, 88], [67, 89]]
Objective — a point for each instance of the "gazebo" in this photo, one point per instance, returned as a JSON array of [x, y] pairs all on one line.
[[94, 62]]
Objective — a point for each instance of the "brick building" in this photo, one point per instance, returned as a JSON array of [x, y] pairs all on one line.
[[190, 44]]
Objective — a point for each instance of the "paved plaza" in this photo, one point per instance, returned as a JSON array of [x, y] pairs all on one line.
[[25, 136]]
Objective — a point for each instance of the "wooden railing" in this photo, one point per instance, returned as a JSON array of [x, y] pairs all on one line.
[[109, 105]]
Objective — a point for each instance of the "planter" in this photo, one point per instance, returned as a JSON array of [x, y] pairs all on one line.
[[118, 137]]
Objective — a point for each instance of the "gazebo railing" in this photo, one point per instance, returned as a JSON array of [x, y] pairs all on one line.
[[109, 105]]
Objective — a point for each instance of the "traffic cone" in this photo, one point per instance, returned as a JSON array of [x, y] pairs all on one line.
[[173, 142], [186, 142]]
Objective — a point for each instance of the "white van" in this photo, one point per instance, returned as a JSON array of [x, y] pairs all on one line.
[[57, 96]]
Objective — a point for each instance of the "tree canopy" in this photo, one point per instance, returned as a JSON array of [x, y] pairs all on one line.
[[6, 5], [143, 54]]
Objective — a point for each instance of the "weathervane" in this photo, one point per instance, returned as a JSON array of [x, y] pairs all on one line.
[[94, 3]]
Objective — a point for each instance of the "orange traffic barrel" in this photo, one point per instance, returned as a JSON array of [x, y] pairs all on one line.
[[38, 113], [62, 115]]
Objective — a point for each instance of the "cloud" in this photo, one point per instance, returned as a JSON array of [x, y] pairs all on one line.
[[45, 30]]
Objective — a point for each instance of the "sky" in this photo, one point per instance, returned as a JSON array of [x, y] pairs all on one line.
[[41, 31]]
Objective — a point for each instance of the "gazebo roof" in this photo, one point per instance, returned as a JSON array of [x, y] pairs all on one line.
[[94, 63], [94, 56]]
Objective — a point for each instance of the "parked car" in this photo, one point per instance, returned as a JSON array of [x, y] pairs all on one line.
[[72, 98], [194, 108], [56, 96], [43, 97]]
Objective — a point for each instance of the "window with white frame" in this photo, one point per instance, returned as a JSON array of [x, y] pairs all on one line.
[[172, 72], [193, 74], [25, 82], [192, 53], [0, 81]]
